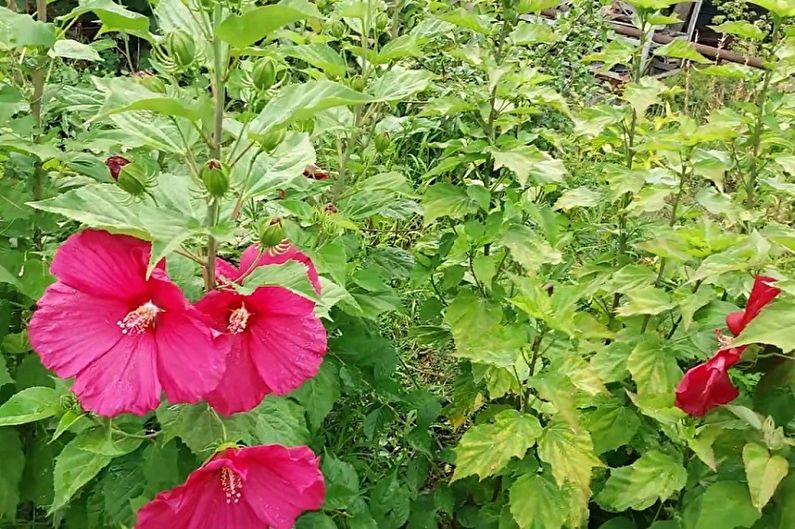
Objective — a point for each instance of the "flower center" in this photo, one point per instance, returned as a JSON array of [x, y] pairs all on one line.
[[238, 320], [232, 485], [140, 319]]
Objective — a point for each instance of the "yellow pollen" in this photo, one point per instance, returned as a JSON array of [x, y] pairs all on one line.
[[232, 485], [140, 319], [238, 320]]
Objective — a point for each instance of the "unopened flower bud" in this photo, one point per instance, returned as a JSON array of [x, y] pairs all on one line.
[[381, 22], [114, 164], [339, 29], [133, 179], [215, 178], [314, 172], [271, 233], [181, 48], [263, 75], [382, 142], [270, 140]]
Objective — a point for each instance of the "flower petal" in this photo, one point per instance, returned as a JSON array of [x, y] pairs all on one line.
[[225, 270], [762, 293], [71, 329], [199, 503], [241, 388], [286, 342], [190, 359], [705, 387], [104, 265], [123, 380], [734, 322], [218, 305], [281, 483]]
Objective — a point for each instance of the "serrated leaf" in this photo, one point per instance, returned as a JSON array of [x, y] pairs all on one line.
[[320, 56], [533, 33], [681, 49], [529, 249], [13, 459], [465, 19], [19, 30], [740, 28], [537, 503], [290, 275], [655, 476], [612, 425], [255, 24], [725, 504], [646, 300], [399, 83], [774, 326], [486, 448], [29, 405], [782, 8], [653, 368], [764, 472], [318, 395], [569, 453], [479, 333], [580, 197], [74, 468], [446, 200]]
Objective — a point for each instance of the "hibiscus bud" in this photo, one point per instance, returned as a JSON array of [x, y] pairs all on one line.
[[306, 126], [264, 74], [381, 22], [330, 208], [314, 172], [68, 402], [357, 83], [181, 48], [114, 164], [339, 29], [133, 179], [150, 81], [382, 142], [215, 178], [270, 140], [271, 233]]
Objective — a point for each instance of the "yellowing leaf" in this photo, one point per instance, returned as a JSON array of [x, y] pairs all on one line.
[[569, 453]]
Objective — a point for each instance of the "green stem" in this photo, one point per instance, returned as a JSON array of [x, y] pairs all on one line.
[[219, 93], [756, 138]]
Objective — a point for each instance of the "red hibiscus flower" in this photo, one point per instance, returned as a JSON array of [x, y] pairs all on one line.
[[124, 338], [241, 488], [761, 294], [314, 172], [276, 342], [114, 164], [707, 386]]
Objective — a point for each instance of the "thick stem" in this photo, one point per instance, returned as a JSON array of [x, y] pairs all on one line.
[[750, 182], [219, 93]]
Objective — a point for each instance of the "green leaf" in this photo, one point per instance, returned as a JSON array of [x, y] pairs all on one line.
[[528, 162], [399, 83], [465, 19], [71, 49], [124, 95], [646, 300], [21, 30], [74, 467], [774, 326], [535, 6], [617, 51], [725, 504], [254, 25], [655, 476], [740, 28], [105, 206], [398, 48], [531, 33], [277, 420], [342, 482], [315, 520], [782, 8], [97, 441], [318, 395], [486, 448], [612, 425], [446, 200], [537, 503], [320, 56], [764, 472], [8, 277], [580, 197], [653, 367], [529, 249], [304, 101], [197, 426], [479, 333], [681, 49], [653, 4], [570, 454], [643, 94], [13, 459], [113, 17], [122, 481], [290, 275], [29, 405]]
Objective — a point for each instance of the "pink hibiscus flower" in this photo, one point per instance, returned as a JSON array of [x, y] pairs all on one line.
[[276, 342], [762, 293], [241, 488], [124, 337]]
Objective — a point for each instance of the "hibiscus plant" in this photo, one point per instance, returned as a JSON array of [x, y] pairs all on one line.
[[362, 264]]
